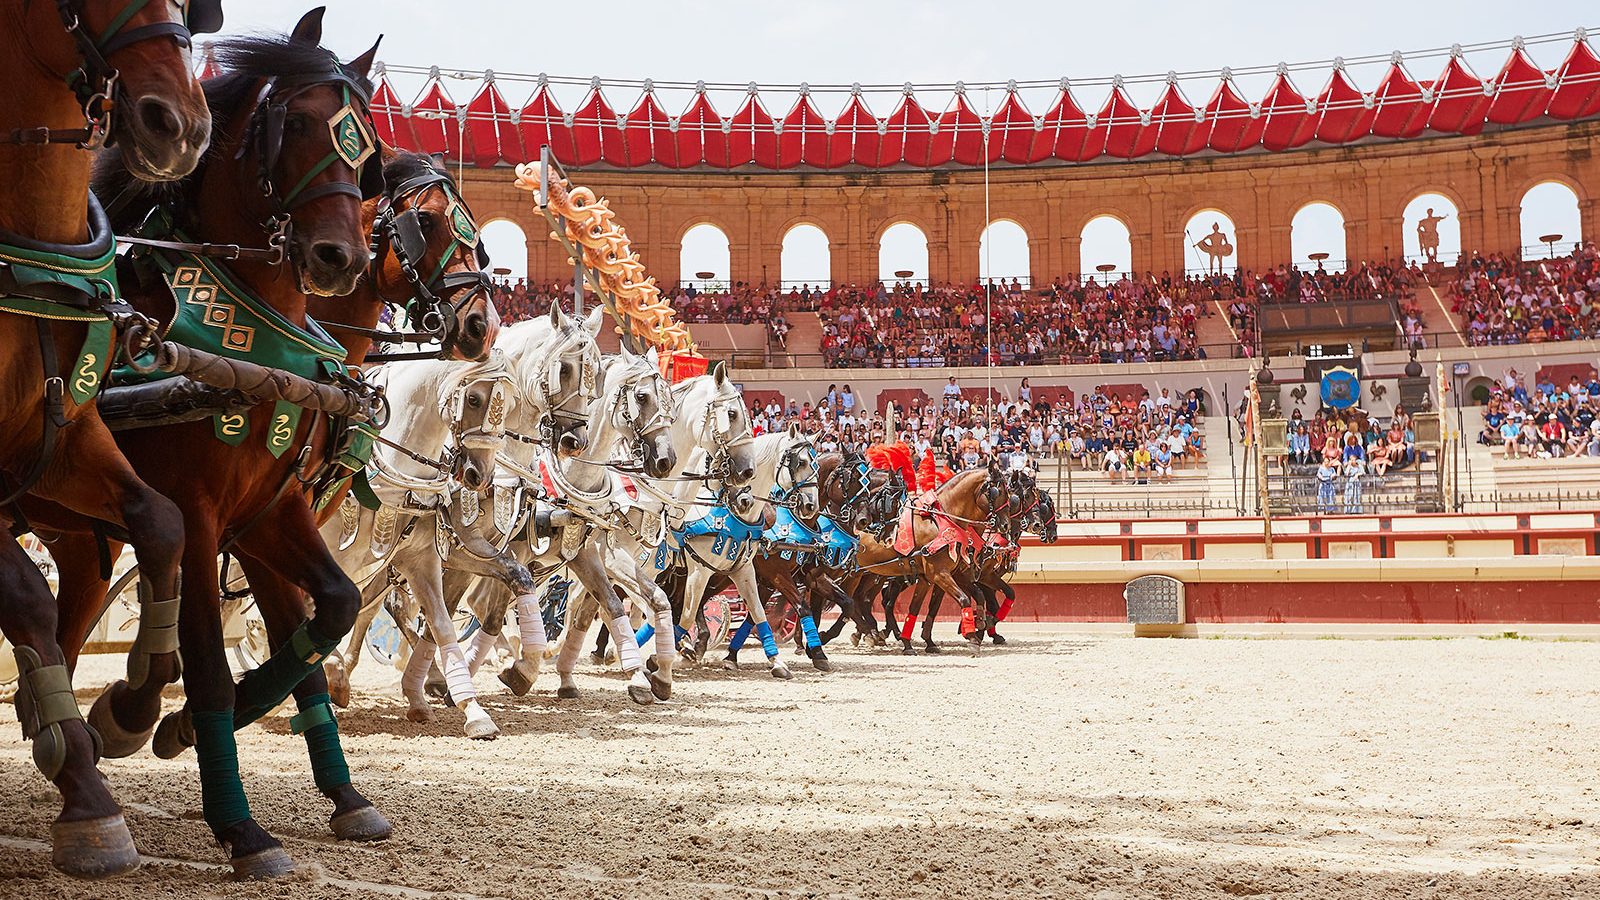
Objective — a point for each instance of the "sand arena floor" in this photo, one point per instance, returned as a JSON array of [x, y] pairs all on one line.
[[1060, 766]]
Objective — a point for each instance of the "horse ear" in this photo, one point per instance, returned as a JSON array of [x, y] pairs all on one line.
[[794, 429], [653, 358], [363, 63], [719, 372], [595, 320], [309, 28], [557, 318]]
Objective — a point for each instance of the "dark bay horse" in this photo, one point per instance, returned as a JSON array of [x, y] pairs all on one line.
[[79, 74], [292, 163]]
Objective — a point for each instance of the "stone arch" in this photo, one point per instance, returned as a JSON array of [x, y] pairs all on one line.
[[507, 244], [1104, 239], [1318, 226], [802, 259], [1549, 207], [703, 247], [903, 246], [1004, 251]]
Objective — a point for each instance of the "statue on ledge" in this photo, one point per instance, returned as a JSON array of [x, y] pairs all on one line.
[[1428, 235], [1216, 248]]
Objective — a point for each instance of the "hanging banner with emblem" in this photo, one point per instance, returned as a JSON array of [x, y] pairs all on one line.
[[232, 428], [285, 420]]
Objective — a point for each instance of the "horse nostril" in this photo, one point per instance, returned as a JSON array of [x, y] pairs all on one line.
[[331, 254], [158, 119], [477, 326], [747, 473]]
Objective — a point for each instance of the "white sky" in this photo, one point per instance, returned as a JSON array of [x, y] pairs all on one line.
[[893, 41]]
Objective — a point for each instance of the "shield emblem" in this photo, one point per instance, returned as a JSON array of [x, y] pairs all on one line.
[[461, 221], [349, 135]]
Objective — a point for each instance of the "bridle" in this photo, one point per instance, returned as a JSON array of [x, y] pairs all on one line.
[[792, 458], [354, 146], [437, 298], [558, 396], [719, 464], [95, 83]]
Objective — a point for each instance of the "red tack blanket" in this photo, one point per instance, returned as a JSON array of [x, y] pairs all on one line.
[[951, 532]]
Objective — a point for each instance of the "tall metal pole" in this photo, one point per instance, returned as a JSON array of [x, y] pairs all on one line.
[[1261, 464]]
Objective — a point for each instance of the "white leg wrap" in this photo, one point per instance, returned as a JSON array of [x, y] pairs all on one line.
[[530, 622], [415, 678], [456, 675], [479, 647], [627, 647], [666, 640]]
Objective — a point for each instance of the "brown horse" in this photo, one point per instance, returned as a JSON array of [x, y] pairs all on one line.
[[277, 167], [67, 66], [944, 539]]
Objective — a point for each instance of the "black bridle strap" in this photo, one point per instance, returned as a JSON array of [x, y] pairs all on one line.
[[269, 255]]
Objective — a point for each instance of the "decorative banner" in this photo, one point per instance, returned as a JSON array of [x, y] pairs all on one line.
[[1341, 388], [232, 428], [285, 420]]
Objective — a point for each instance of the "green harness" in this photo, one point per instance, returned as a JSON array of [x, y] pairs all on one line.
[[54, 286]]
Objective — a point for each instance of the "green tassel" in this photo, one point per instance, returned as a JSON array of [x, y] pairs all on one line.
[[222, 797], [321, 731], [263, 688]]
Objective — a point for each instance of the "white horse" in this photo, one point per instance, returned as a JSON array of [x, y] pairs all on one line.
[[547, 378], [708, 424], [579, 501]]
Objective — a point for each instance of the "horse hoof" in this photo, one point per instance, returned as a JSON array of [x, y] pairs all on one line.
[[273, 862], [517, 682], [933, 648], [730, 665], [419, 714], [660, 687], [641, 695], [567, 692], [908, 651], [338, 686], [174, 735], [481, 729], [598, 659], [93, 848], [365, 824], [855, 639], [998, 640], [821, 664], [781, 672], [439, 691], [116, 742]]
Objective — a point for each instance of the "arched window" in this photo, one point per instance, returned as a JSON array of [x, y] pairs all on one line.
[[903, 248], [508, 248], [1432, 230], [806, 260], [1210, 243], [1104, 242], [1003, 253], [1316, 237], [703, 260], [1550, 210]]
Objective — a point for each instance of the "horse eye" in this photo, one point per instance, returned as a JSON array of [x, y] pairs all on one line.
[[296, 123], [425, 221], [474, 401]]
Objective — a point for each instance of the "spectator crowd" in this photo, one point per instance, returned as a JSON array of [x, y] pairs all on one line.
[[1135, 439], [1504, 301], [1546, 421]]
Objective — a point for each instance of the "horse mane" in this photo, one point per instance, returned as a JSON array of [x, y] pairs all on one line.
[[245, 62], [403, 165]]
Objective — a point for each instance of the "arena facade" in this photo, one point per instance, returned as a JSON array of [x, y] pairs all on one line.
[[334, 427]]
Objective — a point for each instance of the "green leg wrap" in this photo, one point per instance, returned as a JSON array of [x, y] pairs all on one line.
[[222, 797], [44, 700], [321, 730], [262, 689], [158, 631]]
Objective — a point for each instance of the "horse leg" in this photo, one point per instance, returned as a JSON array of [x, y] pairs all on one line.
[[1003, 609], [658, 617], [90, 476], [589, 568], [283, 607], [423, 571], [337, 668], [580, 615], [919, 594], [939, 572], [928, 643], [804, 607], [89, 839], [744, 578], [520, 675], [891, 588], [207, 721]]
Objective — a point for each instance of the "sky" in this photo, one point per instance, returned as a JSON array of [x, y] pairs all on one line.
[[889, 42]]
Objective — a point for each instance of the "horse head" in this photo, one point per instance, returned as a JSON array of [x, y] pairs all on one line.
[[795, 473], [430, 257], [557, 364], [133, 76], [295, 154], [477, 406], [640, 404]]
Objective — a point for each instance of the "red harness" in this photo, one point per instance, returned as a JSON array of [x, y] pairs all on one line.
[[952, 533]]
